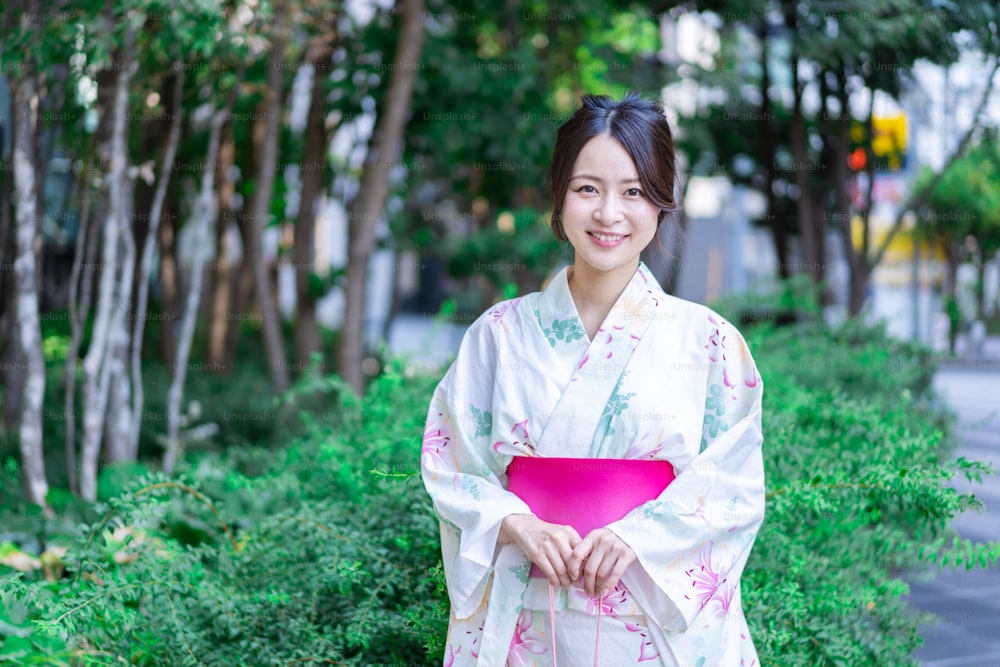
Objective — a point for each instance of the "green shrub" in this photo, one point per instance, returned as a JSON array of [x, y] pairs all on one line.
[[325, 550], [857, 456]]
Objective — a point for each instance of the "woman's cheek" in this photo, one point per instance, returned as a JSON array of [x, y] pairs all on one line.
[[576, 206]]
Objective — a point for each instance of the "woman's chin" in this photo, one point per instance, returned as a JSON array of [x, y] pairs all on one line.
[[608, 264]]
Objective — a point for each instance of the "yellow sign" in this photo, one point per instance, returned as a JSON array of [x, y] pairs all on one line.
[[889, 141]]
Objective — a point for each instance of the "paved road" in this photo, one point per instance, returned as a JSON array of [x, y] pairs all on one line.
[[968, 603]]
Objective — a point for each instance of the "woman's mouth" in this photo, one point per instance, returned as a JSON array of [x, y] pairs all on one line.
[[607, 240]]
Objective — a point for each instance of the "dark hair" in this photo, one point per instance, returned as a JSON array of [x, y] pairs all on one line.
[[639, 126]]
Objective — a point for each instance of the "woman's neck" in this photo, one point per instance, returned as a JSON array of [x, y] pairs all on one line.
[[595, 292]]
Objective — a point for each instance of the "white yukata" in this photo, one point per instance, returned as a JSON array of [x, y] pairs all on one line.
[[664, 378]]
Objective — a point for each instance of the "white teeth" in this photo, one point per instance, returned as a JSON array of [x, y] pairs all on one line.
[[608, 238]]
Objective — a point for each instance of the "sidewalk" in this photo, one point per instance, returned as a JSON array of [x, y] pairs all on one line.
[[967, 602], [986, 358]]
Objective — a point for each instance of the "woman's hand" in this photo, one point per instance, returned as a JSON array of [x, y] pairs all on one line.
[[601, 558], [548, 545]]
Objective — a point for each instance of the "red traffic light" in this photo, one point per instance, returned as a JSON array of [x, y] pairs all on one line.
[[857, 159]]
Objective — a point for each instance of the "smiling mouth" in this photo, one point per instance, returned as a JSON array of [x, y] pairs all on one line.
[[607, 238]]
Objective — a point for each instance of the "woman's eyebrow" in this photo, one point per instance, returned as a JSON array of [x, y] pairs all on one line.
[[634, 179]]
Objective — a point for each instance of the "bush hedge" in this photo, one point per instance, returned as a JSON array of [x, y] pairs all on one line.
[[325, 551]]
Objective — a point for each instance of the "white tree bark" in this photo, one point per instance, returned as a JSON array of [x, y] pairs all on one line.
[[118, 418], [205, 212], [116, 282], [29, 333], [80, 298]]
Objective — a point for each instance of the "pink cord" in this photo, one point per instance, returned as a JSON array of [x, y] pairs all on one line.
[[597, 644], [552, 626], [552, 622]]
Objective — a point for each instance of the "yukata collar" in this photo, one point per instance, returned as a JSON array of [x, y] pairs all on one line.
[[556, 305]]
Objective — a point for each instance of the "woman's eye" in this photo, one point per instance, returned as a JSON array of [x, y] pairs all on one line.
[[586, 188], [634, 192]]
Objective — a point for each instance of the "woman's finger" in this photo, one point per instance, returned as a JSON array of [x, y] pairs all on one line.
[[578, 557], [612, 570], [591, 569], [607, 557]]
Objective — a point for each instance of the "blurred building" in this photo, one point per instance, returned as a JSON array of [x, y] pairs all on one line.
[[724, 254]]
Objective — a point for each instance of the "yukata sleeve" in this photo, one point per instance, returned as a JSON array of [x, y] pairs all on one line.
[[693, 541], [462, 473]]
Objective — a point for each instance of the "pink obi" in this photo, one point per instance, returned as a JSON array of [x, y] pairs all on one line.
[[585, 493]]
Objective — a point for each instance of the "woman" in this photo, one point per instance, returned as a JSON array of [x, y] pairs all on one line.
[[604, 366]]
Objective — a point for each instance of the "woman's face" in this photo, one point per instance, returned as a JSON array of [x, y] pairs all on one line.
[[606, 216]]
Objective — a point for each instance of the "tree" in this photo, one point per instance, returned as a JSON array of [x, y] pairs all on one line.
[[29, 338], [203, 216], [103, 365], [313, 170], [921, 194], [146, 259], [480, 135], [261, 213], [961, 215], [831, 54], [374, 189]]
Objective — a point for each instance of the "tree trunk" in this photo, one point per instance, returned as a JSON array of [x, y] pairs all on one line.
[[841, 218], [779, 235], [8, 317], [221, 277], [203, 220], [313, 173], [804, 205], [273, 340], [118, 421], [80, 298], [241, 295], [952, 259], [13, 364], [146, 265], [242, 286], [861, 270], [980, 259], [167, 241], [115, 290], [29, 333], [373, 192]]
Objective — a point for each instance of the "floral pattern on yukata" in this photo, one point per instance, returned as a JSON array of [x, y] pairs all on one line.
[[519, 442], [617, 404], [436, 439], [741, 370], [526, 643], [710, 588], [624, 631], [504, 313], [567, 330], [715, 408], [692, 397]]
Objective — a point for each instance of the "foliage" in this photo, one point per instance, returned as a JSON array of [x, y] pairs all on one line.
[[304, 560], [527, 247], [326, 551], [497, 80], [962, 217], [857, 459], [966, 201]]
